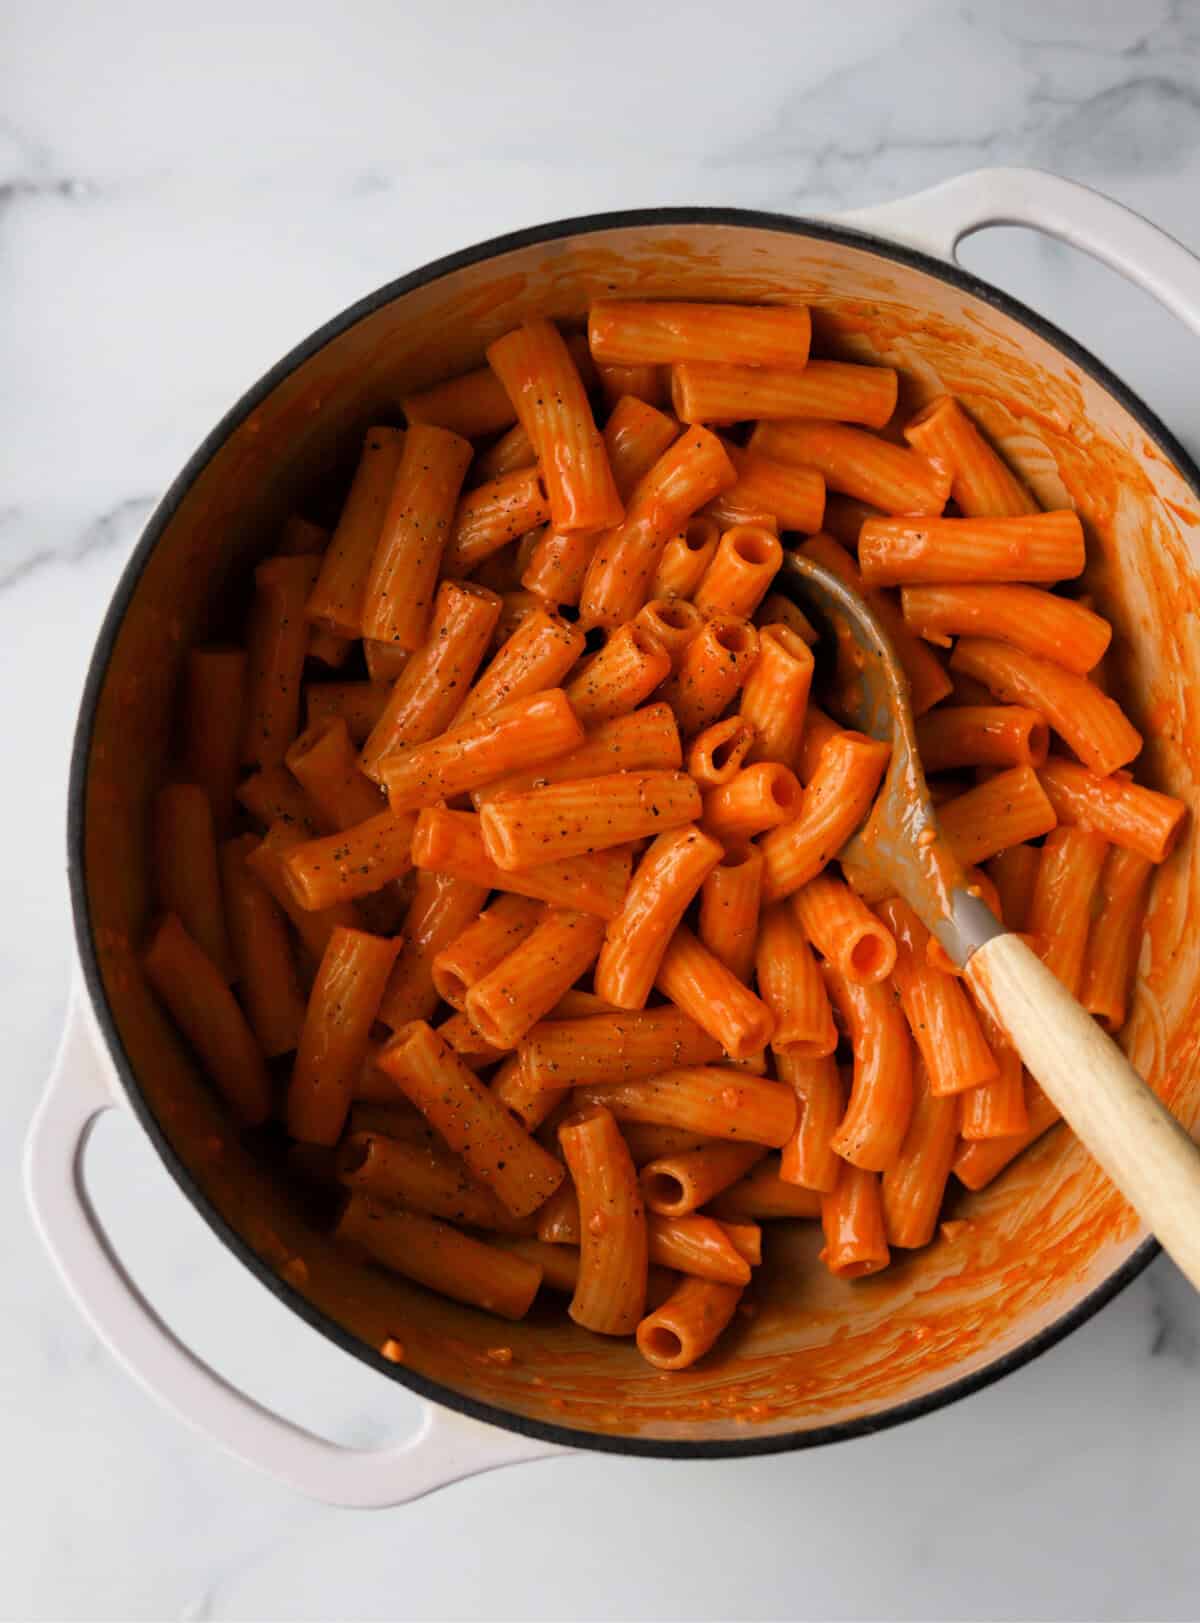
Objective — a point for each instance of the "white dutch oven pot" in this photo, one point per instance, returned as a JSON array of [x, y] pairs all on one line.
[[1050, 1243]]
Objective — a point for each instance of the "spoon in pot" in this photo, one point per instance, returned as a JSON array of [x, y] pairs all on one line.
[[1114, 1114]]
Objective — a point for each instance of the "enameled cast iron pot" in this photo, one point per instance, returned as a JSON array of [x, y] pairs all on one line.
[[1038, 1253]]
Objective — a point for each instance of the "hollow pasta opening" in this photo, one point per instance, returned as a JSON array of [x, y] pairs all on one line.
[[755, 546], [661, 1343], [664, 1192]]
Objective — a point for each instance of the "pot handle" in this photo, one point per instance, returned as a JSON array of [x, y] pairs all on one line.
[[937, 220], [446, 1448]]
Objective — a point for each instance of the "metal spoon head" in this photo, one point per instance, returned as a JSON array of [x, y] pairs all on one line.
[[900, 842]]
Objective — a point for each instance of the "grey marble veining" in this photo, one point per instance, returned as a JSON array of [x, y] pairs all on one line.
[[183, 195]]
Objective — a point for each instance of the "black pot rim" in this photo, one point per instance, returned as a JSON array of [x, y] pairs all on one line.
[[434, 1391]]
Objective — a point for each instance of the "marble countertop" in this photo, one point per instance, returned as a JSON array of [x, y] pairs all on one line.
[[184, 193]]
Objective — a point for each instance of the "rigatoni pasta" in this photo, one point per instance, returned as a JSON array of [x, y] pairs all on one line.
[[551, 887]]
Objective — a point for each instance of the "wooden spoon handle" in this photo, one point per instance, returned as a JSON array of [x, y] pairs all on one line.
[[1117, 1118]]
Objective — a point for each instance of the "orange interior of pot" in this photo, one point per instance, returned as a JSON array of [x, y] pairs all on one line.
[[817, 1351]]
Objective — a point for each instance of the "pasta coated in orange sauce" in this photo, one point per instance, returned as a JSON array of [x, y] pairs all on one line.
[[552, 893]]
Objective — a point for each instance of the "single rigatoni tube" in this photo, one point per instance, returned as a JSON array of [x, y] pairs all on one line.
[[759, 797], [671, 622], [336, 598], [1060, 911], [858, 464], [511, 998], [1092, 724], [715, 756], [463, 1110], [187, 876], [744, 565], [508, 454], [688, 474], [837, 798], [793, 496], [838, 391], [584, 816], [187, 981], [213, 698], [984, 485], [267, 860], [818, 730], [645, 739], [927, 678], [483, 944], [697, 982], [939, 1013], [337, 1027], [537, 655], [790, 984], [763, 1196], [844, 930], [808, 1159], [513, 737], [635, 332], [775, 696], [434, 683], [1013, 872], [646, 1140], [685, 559], [913, 1187], [680, 1332], [1028, 617], [274, 796], [635, 436], [543, 383], [1006, 810], [439, 1257], [717, 1102], [936, 551], [557, 565], [359, 704], [424, 1177], [675, 1185], [442, 907], [452, 842], [852, 1224], [610, 1292], [982, 735], [416, 524], [625, 1047], [641, 383], [729, 909], [353, 862], [626, 671], [668, 877], [430, 690], [995, 1109], [324, 761], [277, 640], [490, 516], [262, 954], [872, 1130], [1115, 936], [980, 1160], [1126, 813], [714, 666], [473, 404]]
